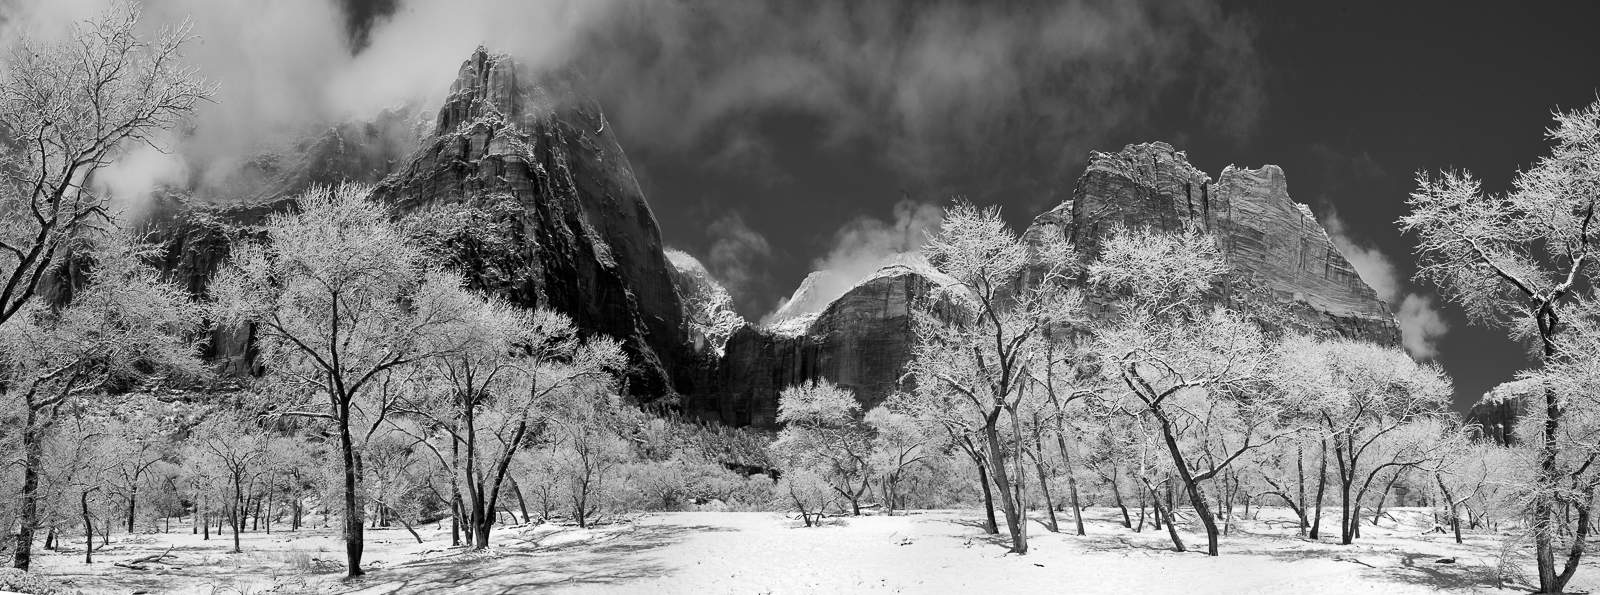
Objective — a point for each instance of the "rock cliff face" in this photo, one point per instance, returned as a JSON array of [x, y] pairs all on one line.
[[582, 234], [1264, 235], [863, 339], [532, 155]]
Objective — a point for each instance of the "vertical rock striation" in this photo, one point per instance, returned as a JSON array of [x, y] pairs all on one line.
[[585, 238], [1266, 237], [863, 340]]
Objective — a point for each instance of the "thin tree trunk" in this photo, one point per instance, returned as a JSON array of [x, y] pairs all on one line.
[[1072, 484], [238, 523], [1300, 474], [988, 498], [1116, 494], [1196, 498], [1172, 528], [88, 529], [1044, 484], [1322, 487], [521, 503]]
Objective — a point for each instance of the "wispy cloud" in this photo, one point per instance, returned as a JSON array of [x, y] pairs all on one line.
[[1421, 324], [860, 248], [738, 255], [932, 87]]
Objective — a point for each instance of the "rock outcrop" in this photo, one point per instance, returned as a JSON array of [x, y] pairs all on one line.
[[863, 340], [531, 154], [536, 151], [1266, 237]]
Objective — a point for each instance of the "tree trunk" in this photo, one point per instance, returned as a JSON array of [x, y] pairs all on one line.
[[407, 525], [1116, 495], [1544, 500], [88, 529], [33, 446], [1378, 511], [1049, 503], [1072, 484], [1322, 488], [988, 497], [1579, 539], [1008, 505], [521, 503], [1300, 474], [1172, 528], [1196, 498], [238, 523], [353, 533], [133, 496], [455, 520]]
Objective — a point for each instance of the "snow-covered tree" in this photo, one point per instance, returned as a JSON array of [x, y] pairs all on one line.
[[236, 447], [503, 377], [1196, 371], [68, 108], [977, 338], [1363, 396], [1519, 261], [340, 299], [125, 328], [823, 432], [899, 444]]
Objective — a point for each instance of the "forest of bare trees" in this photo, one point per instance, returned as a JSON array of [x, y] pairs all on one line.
[[1045, 380]]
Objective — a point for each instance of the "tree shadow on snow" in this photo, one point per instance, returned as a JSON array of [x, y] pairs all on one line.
[[526, 566]]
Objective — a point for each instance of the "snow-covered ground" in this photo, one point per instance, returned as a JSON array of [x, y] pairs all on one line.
[[752, 552]]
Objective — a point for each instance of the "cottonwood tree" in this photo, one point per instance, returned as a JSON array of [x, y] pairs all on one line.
[[1197, 371], [823, 431], [898, 445], [398, 469], [974, 342], [124, 329], [137, 446], [1517, 261], [237, 448], [808, 492], [504, 376], [1466, 475], [1364, 396], [68, 108], [339, 299], [589, 452]]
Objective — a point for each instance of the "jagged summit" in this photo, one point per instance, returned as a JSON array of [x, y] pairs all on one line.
[[1263, 233], [533, 148]]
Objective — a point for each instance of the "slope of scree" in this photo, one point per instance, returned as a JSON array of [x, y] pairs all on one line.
[[863, 339]]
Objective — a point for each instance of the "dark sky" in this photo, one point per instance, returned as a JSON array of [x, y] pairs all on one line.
[[771, 138], [1356, 100]]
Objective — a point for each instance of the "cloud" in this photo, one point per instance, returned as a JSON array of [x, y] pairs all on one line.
[[934, 85], [934, 88], [1421, 324], [860, 248], [736, 253]]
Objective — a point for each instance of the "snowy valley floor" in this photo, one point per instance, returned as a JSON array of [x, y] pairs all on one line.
[[753, 552]]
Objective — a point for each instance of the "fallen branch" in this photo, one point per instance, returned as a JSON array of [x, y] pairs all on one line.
[[156, 558]]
